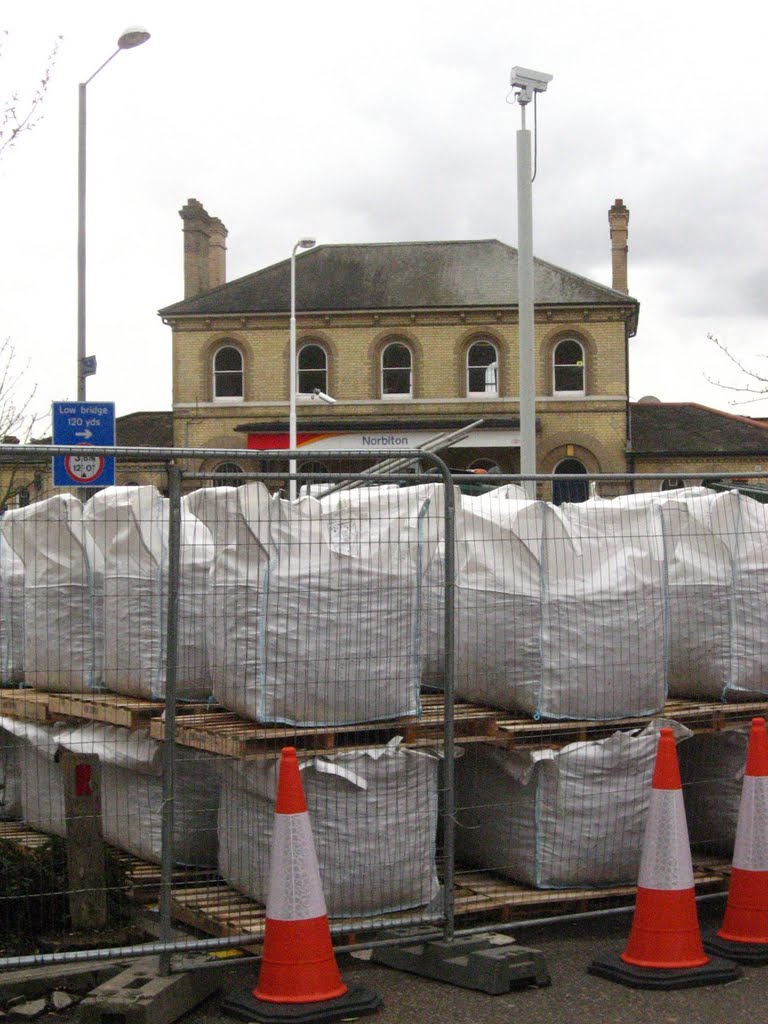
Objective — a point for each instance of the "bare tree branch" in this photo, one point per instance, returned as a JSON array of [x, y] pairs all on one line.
[[759, 393], [17, 116]]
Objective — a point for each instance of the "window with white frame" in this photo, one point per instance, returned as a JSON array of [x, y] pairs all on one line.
[[568, 367], [482, 369], [396, 371], [312, 369], [228, 374]]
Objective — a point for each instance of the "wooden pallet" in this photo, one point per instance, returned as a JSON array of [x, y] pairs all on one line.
[[30, 705], [141, 879], [483, 893], [223, 732], [221, 911], [22, 836], [212, 728], [108, 708], [515, 731]]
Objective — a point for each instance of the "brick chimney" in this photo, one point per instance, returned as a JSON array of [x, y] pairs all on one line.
[[618, 219], [205, 249]]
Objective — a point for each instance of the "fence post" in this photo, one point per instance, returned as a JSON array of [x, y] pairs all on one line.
[[85, 843], [449, 691], [169, 740]]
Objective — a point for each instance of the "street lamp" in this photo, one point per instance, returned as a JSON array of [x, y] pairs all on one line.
[[86, 366], [303, 243], [527, 83]]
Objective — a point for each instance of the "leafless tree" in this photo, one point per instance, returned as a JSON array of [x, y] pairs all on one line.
[[755, 389], [20, 113], [18, 422]]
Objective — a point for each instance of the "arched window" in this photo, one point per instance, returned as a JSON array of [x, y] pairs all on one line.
[[228, 374], [228, 474], [396, 372], [482, 369], [568, 368], [570, 490], [312, 369]]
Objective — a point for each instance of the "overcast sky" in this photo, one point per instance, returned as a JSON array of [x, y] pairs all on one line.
[[359, 122]]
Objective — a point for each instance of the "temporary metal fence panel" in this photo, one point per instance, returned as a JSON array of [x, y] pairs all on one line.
[[474, 682]]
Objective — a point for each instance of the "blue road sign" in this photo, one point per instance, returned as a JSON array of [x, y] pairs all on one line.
[[86, 424]]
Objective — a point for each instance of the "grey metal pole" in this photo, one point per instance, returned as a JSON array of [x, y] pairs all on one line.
[[292, 379], [130, 39], [526, 326], [169, 741], [81, 242]]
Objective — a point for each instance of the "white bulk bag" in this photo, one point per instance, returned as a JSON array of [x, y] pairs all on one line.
[[11, 614], [740, 526], [605, 622], [712, 771], [498, 602], [131, 789], [374, 819], [359, 502], [319, 610], [555, 819], [63, 594], [232, 611], [130, 525], [699, 584]]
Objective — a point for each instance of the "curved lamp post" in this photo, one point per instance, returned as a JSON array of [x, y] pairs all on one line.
[[303, 243], [131, 38]]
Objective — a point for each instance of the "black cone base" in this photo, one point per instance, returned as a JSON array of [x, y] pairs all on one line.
[[716, 972], [741, 952], [357, 1002]]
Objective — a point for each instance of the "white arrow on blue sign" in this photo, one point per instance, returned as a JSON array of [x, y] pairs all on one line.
[[85, 424]]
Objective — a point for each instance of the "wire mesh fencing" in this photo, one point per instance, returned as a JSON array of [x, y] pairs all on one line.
[[474, 681]]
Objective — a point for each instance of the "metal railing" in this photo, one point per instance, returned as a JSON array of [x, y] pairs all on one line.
[[471, 680]]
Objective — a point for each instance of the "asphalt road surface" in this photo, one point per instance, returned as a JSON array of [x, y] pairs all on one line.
[[574, 997]]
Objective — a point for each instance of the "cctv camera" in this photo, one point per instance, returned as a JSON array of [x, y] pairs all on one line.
[[317, 393], [528, 82]]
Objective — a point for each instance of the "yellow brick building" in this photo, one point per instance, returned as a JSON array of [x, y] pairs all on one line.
[[410, 339]]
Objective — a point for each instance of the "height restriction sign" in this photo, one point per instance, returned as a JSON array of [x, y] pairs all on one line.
[[87, 425]]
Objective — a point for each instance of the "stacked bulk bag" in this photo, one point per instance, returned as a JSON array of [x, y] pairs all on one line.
[[232, 611], [561, 612], [10, 770], [131, 525], [712, 770], [63, 594], [498, 601], [374, 820], [316, 612], [555, 819], [718, 580], [11, 614], [699, 582], [605, 630], [356, 503], [131, 789]]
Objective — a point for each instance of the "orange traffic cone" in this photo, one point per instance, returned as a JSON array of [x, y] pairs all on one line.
[[299, 979], [744, 933], [665, 950]]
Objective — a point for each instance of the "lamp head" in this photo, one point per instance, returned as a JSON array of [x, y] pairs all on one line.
[[306, 243], [131, 37]]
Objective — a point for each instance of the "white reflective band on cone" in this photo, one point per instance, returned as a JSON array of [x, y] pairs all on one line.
[[750, 852], [295, 890], [666, 859]]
